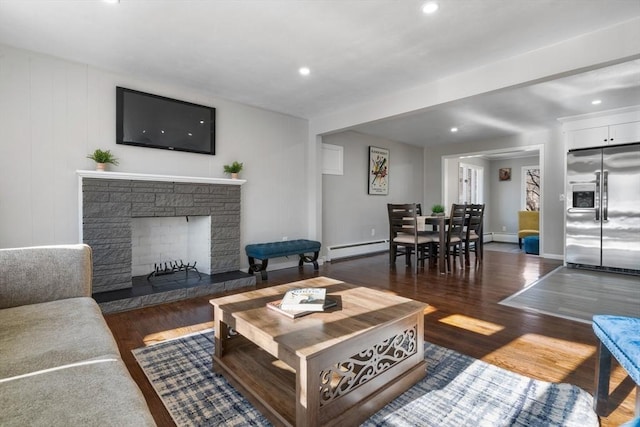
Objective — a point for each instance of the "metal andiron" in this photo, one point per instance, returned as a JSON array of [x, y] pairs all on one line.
[[173, 267]]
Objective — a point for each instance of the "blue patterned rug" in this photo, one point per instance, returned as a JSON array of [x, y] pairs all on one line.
[[457, 391]]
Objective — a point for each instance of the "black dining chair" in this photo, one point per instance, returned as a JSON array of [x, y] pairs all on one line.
[[404, 238], [473, 233]]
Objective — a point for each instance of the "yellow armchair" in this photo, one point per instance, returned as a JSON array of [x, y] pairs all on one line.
[[528, 225]]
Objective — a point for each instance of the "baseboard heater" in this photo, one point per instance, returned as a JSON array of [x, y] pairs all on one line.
[[355, 249], [505, 237]]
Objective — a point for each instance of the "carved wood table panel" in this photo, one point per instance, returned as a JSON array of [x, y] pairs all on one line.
[[334, 367]]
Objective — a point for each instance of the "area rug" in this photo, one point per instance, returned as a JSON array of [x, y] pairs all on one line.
[[457, 391], [577, 294]]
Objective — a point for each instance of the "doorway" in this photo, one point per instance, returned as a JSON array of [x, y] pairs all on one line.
[[470, 183], [502, 198]]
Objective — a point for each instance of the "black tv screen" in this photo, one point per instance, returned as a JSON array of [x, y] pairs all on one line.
[[147, 120]]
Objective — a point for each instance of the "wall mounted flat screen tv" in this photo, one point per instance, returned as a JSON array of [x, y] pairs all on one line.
[[147, 120]]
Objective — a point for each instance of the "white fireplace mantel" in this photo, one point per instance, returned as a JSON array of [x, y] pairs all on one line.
[[152, 177]]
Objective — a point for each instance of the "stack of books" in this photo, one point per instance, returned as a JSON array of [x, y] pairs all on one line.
[[300, 302]]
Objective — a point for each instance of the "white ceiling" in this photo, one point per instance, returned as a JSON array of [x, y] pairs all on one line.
[[358, 50], [515, 111]]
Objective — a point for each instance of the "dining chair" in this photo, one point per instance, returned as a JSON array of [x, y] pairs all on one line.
[[454, 235], [404, 238], [473, 233]]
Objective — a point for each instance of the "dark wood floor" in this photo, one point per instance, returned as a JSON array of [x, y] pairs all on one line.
[[464, 315]]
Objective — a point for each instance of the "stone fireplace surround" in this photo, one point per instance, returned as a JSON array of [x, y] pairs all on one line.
[[109, 201]]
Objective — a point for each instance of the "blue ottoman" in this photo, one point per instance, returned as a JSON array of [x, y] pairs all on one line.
[[532, 245], [619, 337], [265, 251]]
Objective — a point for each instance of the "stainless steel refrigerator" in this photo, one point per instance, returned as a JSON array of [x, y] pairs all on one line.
[[603, 208]]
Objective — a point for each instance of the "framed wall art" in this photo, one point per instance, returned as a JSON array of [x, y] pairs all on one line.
[[504, 174], [378, 171]]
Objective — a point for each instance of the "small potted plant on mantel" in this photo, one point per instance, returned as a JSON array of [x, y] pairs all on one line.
[[102, 158], [233, 169], [437, 210]]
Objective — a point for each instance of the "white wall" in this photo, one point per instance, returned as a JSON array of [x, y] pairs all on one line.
[[349, 213], [54, 112]]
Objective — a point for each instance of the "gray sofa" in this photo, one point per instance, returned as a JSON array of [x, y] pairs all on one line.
[[59, 363]]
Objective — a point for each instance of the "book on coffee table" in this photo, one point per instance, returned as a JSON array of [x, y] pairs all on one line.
[[304, 299], [294, 314]]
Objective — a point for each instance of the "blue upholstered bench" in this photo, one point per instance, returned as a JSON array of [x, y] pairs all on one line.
[[619, 336], [532, 245], [266, 251]]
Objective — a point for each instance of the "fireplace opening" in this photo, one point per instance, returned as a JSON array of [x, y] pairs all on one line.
[[160, 244]]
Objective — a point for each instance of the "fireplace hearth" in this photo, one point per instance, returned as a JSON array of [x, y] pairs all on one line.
[[170, 287]]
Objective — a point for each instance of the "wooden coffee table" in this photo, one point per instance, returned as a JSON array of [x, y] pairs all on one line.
[[337, 366]]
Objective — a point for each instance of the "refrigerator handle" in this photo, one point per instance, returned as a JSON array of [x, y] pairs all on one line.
[[597, 197], [605, 195]]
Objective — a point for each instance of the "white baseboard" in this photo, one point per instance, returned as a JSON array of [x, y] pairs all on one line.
[[505, 237]]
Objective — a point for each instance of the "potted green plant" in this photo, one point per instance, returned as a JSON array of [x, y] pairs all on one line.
[[233, 169], [102, 158], [437, 209]]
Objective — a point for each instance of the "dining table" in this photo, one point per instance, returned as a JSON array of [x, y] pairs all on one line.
[[438, 222]]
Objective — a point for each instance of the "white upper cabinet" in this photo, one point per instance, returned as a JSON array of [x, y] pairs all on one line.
[[624, 133], [584, 138]]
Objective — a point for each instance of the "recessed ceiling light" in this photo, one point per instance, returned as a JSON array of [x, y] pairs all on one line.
[[454, 130], [304, 71], [430, 7], [596, 102], [111, 1]]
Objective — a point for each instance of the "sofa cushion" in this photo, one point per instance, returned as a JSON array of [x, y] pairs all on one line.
[[44, 273], [95, 393], [41, 336]]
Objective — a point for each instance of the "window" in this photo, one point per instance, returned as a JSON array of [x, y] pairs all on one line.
[[470, 179], [531, 188]]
